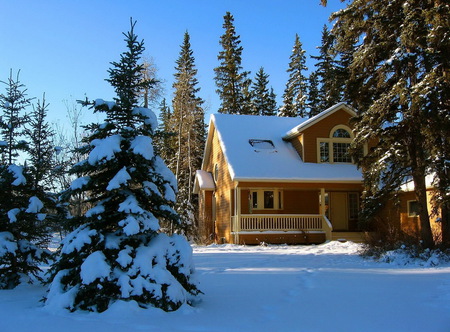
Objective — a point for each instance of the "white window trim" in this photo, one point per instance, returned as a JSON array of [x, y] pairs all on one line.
[[330, 140]]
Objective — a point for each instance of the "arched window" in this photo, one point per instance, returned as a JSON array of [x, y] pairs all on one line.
[[341, 133], [335, 148]]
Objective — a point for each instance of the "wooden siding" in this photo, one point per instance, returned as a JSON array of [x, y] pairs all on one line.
[[223, 193], [297, 142], [322, 129], [206, 224]]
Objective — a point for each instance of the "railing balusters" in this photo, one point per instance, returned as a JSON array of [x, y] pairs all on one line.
[[280, 222]]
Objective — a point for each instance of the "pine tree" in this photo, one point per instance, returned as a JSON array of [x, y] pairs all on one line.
[[331, 86], [22, 231], [314, 102], [262, 99], [230, 80], [188, 124], [400, 90], [163, 136], [118, 251], [294, 96]]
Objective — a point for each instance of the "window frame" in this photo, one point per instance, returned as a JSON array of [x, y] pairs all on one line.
[[260, 196], [410, 212], [330, 141]]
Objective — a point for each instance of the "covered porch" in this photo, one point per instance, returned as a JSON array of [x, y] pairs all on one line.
[[293, 213]]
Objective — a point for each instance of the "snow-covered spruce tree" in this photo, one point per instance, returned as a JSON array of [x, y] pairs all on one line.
[[22, 231], [41, 166], [402, 73], [187, 122], [231, 80], [118, 252], [294, 96]]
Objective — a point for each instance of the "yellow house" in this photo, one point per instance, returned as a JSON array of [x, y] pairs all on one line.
[[279, 180]]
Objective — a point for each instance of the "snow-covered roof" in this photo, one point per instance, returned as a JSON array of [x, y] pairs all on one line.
[[261, 162], [203, 181], [309, 122]]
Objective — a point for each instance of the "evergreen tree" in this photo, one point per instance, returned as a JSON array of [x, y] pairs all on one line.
[[294, 96], [22, 232], [401, 88], [314, 102], [40, 147], [331, 86], [163, 136], [118, 251], [273, 108], [188, 124], [262, 99], [230, 80]]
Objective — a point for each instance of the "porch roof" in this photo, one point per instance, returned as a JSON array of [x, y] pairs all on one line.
[[280, 163], [203, 181]]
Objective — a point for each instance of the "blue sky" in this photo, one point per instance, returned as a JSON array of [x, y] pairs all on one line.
[[64, 48]]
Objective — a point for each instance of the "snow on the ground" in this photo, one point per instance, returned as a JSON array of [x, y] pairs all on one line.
[[326, 287]]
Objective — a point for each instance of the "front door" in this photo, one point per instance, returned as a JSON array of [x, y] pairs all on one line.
[[339, 211]]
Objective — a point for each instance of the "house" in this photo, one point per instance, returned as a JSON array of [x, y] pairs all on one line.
[[279, 180]]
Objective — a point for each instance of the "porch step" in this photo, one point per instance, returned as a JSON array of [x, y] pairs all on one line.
[[357, 237]]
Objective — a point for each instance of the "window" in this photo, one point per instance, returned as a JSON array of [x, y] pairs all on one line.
[[268, 199], [263, 199], [335, 148], [216, 172], [340, 153], [353, 206], [324, 152], [341, 133], [413, 208]]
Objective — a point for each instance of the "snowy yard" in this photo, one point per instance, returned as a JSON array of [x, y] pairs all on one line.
[[277, 288]]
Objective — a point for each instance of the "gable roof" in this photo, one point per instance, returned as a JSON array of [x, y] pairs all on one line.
[[282, 163], [309, 122]]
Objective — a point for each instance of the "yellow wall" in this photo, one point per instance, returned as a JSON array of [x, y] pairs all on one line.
[[223, 193]]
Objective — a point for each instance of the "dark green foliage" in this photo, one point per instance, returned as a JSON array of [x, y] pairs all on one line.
[[232, 83], [402, 80], [263, 101], [330, 76], [23, 232], [314, 102], [294, 96], [118, 250]]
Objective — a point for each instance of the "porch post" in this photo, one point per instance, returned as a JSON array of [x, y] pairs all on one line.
[[237, 213], [322, 201]]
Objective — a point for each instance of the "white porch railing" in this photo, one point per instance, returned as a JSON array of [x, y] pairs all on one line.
[[282, 223]]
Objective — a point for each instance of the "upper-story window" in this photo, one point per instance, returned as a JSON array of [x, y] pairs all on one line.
[[335, 148]]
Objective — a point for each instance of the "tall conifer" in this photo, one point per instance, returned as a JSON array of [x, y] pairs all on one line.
[[262, 98], [401, 87], [231, 80], [187, 122], [295, 94]]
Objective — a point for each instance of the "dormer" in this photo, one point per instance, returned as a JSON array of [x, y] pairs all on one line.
[[326, 137]]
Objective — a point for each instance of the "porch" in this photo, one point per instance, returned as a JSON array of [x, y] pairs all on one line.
[[270, 228]]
